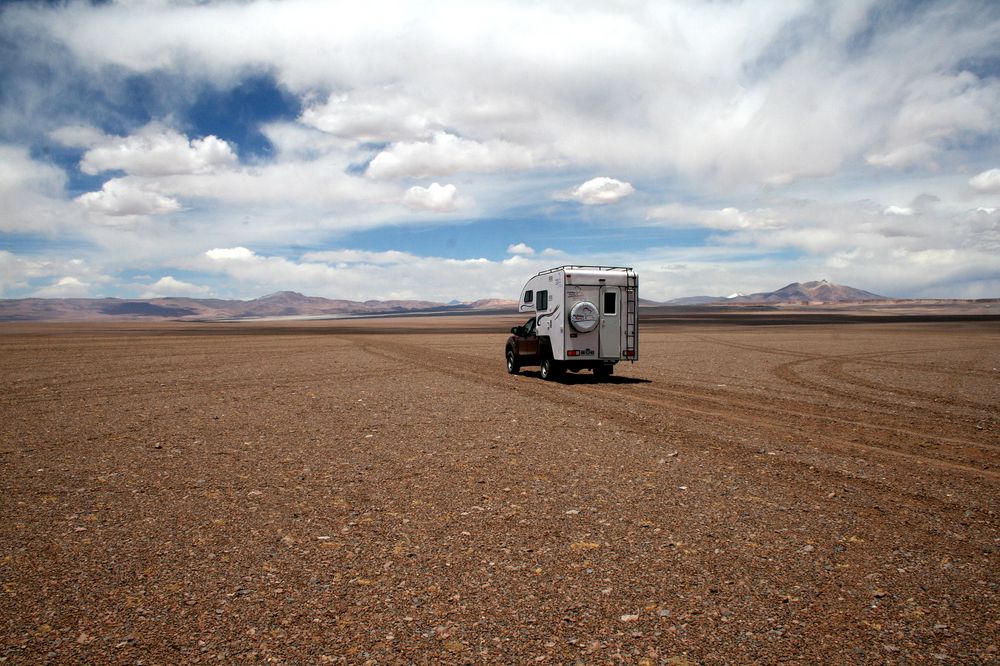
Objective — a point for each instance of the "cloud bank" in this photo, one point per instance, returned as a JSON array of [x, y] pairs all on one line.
[[859, 136]]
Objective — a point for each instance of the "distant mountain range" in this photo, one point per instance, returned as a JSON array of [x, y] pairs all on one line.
[[294, 304], [819, 291], [280, 304]]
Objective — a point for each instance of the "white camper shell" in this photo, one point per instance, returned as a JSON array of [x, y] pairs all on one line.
[[588, 313]]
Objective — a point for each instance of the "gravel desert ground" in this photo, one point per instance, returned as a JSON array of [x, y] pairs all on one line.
[[381, 491]]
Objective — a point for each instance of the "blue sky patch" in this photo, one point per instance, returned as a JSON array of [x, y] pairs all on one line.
[[236, 114]]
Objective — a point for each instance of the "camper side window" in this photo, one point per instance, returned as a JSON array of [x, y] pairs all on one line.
[[543, 301], [528, 296]]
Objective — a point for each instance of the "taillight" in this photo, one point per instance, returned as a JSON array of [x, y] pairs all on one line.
[[573, 352], [630, 352]]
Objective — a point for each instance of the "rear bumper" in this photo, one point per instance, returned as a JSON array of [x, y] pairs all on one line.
[[587, 365]]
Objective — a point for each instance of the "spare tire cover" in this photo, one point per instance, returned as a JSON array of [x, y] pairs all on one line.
[[583, 316]]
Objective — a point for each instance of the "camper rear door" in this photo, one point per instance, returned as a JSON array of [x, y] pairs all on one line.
[[611, 328]]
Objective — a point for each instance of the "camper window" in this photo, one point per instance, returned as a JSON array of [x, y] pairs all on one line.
[[610, 302], [543, 301], [528, 296]]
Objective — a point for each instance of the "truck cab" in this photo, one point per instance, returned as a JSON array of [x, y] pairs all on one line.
[[523, 343]]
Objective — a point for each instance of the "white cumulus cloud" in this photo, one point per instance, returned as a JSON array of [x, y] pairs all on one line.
[[65, 287], [447, 154], [437, 198], [118, 198], [520, 248], [987, 181], [370, 115], [170, 286], [600, 190], [155, 150], [230, 254]]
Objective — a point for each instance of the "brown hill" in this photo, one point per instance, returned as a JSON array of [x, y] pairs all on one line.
[[280, 304], [819, 291]]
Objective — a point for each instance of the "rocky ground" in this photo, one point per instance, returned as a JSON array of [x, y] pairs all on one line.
[[384, 492]]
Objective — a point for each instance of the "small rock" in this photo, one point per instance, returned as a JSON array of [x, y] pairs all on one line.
[[808, 549], [663, 612], [629, 618]]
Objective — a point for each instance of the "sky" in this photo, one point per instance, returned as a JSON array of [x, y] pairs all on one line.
[[448, 151]]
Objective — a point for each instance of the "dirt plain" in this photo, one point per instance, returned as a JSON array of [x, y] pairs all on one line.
[[382, 491]]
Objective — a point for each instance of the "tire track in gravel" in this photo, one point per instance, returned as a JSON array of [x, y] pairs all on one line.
[[753, 406], [789, 352], [898, 365], [792, 373], [722, 408], [865, 494], [832, 367], [835, 368], [785, 426], [436, 361]]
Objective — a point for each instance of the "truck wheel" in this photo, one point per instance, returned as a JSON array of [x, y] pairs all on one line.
[[512, 366], [603, 371], [550, 369]]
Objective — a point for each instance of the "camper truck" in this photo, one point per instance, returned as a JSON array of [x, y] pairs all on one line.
[[582, 318]]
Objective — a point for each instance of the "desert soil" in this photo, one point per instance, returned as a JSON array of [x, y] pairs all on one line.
[[383, 491]]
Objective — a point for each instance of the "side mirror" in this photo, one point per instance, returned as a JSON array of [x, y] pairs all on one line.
[[517, 330]]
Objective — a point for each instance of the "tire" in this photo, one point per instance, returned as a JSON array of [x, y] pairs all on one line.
[[603, 371], [551, 369], [512, 366]]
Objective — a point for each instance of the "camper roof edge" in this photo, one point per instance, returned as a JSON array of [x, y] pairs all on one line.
[[574, 267]]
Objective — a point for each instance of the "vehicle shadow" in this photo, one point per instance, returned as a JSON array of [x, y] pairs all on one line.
[[588, 378]]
